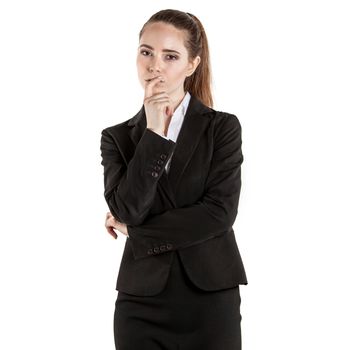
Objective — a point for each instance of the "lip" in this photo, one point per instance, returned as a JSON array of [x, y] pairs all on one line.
[[152, 78]]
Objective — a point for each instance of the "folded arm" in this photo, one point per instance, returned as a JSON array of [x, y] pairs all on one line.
[[213, 215], [130, 188]]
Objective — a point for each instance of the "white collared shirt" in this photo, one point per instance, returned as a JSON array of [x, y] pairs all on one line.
[[176, 123]]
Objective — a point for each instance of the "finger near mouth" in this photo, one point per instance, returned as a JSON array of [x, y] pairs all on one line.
[[148, 80]]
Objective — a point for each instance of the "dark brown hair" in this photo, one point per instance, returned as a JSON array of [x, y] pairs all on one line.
[[196, 43]]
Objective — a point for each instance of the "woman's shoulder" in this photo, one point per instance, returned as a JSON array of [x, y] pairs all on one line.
[[120, 127], [116, 127], [224, 119], [226, 128], [125, 124]]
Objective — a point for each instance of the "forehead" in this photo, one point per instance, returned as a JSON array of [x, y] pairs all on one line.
[[163, 35]]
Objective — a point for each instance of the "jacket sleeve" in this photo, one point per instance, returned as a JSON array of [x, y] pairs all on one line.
[[129, 189], [212, 215]]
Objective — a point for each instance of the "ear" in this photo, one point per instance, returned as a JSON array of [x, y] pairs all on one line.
[[192, 66]]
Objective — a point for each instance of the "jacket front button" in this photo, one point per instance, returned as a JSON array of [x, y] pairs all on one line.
[[154, 174], [163, 156], [169, 246], [150, 251], [156, 249]]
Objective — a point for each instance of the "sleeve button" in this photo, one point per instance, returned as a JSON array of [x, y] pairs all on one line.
[[169, 246], [163, 156], [154, 174], [156, 249], [150, 251]]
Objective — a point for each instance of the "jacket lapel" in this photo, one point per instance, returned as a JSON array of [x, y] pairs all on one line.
[[195, 122]]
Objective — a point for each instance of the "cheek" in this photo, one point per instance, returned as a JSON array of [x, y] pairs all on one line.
[[176, 73], [139, 63]]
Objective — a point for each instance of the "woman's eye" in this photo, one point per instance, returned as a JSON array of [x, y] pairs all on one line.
[[169, 57], [143, 51], [173, 57]]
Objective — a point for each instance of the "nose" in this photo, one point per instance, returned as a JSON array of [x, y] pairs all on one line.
[[155, 65], [156, 69]]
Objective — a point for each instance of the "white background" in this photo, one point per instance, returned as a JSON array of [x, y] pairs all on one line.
[[68, 70]]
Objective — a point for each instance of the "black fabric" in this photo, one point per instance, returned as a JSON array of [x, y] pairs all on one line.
[[182, 317], [190, 211]]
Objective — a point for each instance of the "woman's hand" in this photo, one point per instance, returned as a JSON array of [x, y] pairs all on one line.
[[111, 223], [158, 106]]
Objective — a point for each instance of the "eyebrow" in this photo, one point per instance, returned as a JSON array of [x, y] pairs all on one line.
[[164, 50]]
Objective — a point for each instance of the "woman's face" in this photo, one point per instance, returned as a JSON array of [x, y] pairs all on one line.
[[162, 52]]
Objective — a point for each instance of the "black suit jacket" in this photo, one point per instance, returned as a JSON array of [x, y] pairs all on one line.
[[190, 210]]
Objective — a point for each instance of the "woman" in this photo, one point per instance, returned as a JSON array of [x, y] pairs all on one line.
[[172, 181]]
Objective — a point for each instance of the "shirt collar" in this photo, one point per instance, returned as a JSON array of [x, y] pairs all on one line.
[[182, 107]]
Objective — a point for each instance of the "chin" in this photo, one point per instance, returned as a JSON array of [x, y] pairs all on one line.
[[160, 87]]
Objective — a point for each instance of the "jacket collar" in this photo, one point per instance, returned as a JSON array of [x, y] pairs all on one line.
[[195, 121]]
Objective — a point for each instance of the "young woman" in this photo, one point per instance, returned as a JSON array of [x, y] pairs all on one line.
[[172, 177]]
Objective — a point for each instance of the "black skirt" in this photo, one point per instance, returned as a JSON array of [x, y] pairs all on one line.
[[181, 317]]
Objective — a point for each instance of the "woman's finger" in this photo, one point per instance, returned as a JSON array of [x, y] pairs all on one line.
[[150, 84], [160, 100], [112, 224], [112, 232]]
